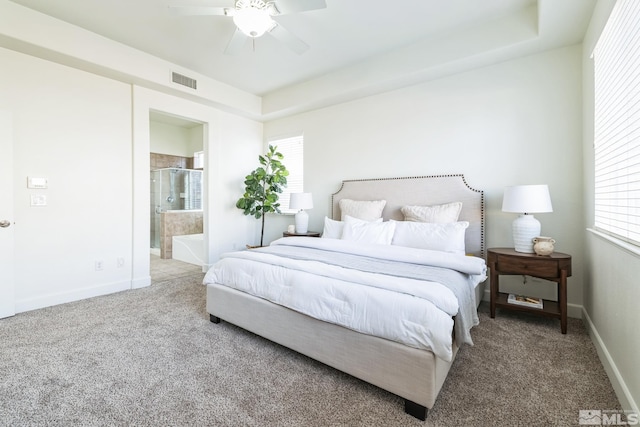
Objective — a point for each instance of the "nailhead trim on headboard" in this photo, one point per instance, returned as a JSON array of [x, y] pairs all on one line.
[[334, 212]]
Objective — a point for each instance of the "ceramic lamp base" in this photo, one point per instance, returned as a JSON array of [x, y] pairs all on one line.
[[302, 222], [525, 228]]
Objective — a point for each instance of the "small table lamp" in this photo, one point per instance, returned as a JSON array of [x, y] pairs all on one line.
[[301, 201], [525, 200]]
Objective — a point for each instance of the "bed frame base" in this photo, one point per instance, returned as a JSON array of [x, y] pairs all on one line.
[[414, 375], [415, 410]]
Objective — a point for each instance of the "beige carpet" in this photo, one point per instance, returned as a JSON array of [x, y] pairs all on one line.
[[150, 357]]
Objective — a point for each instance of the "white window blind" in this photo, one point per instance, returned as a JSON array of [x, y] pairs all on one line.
[[617, 124], [292, 148]]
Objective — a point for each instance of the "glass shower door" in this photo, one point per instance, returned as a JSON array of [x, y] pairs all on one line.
[[173, 189]]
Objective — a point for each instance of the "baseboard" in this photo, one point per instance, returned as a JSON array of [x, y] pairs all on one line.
[[619, 386], [141, 282], [575, 311], [49, 300]]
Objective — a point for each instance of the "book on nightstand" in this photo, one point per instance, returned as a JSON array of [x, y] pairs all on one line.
[[525, 301]]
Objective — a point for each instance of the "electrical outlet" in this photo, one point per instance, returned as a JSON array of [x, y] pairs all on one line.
[[99, 265], [120, 262]]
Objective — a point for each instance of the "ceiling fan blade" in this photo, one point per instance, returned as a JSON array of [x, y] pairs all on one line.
[[293, 6], [176, 9], [285, 36], [235, 44]]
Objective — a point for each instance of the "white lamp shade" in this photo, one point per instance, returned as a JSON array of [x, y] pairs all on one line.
[[301, 201], [525, 200]]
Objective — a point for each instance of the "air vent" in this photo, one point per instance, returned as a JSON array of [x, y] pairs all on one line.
[[184, 80]]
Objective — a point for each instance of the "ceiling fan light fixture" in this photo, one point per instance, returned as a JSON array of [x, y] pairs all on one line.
[[252, 21]]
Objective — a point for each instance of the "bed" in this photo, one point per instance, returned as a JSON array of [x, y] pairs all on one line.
[[414, 368]]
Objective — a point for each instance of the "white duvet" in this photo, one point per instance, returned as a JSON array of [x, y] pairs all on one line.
[[414, 312]]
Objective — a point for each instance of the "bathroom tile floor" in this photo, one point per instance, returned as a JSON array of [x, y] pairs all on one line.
[[167, 269]]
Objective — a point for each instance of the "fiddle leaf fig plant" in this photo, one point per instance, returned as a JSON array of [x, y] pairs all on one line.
[[263, 187]]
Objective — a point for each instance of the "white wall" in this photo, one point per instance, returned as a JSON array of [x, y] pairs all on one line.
[[170, 139], [517, 122], [74, 129], [611, 291], [175, 140]]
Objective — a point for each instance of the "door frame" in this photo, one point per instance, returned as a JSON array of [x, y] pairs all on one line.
[[7, 234], [144, 101]]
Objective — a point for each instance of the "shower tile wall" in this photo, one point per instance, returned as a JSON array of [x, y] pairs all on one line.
[[159, 161], [177, 224]]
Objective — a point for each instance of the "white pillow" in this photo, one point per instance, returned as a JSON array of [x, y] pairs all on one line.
[[377, 232], [333, 229], [427, 235], [449, 212], [367, 210]]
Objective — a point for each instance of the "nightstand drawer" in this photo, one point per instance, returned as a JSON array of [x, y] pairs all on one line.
[[510, 265]]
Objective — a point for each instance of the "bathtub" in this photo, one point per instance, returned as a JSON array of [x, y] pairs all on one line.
[[189, 248]]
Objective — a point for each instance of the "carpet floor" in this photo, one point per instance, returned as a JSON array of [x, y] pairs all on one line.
[[150, 357]]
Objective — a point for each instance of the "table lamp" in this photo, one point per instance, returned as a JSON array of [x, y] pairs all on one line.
[[526, 200], [301, 201]]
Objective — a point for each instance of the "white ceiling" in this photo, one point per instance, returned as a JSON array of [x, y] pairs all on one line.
[[347, 35]]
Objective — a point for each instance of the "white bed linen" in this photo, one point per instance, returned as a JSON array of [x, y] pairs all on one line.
[[464, 264], [421, 311]]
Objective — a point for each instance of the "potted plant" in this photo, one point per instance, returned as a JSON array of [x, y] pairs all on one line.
[[263, 187]]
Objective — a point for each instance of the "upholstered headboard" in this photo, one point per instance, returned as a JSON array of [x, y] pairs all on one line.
[[422, 191]]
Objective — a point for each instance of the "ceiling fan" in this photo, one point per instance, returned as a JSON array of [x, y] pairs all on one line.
[[254, 18]]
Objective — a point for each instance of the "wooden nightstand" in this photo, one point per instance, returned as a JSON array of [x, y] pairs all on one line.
[[555, 267], [307, 234]]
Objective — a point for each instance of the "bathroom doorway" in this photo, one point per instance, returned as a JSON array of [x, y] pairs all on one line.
[[176, 198]]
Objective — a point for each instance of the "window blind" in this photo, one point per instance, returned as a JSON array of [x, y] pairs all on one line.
[[617, 124], [292, 148]]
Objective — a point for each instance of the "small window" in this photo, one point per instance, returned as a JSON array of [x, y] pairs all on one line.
[[198, 160], [292, 148]]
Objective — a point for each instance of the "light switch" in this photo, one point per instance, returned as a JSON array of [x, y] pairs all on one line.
[[38, 200], [33, 182]]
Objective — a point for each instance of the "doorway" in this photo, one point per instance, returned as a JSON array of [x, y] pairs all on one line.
[[176, 197]]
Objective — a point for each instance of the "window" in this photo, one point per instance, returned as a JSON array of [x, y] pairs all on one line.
[[198, 160], [617, 124], [292, 148]]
